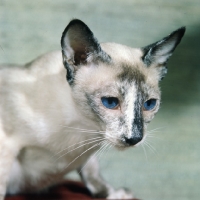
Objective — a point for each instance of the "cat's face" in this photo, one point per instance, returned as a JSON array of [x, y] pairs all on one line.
[[114, 84], [120, 92]]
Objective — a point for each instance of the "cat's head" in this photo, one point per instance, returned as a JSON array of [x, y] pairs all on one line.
[[115, 84]]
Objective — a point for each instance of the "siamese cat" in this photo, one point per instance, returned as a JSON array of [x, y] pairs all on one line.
[[50, 126]]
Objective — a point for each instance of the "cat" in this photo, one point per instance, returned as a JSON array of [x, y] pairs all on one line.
[[50, 126]]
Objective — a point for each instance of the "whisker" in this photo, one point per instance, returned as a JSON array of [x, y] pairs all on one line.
[[95, 154], [153, 149], [91, 132], [76, 144], [108, 147], [150, 147], [145, 153], [153, 136], [92, 147], [151, 133], [102, 150], [87, 130], [155, 130], [97, 140]]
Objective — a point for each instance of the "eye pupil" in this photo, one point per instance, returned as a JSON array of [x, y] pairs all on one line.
[[150, 104], [110, 102]]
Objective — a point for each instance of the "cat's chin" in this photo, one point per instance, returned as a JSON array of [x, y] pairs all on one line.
[[122, 146]]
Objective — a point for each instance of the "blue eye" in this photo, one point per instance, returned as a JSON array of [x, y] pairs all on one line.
[[150, 104], [110, 102]]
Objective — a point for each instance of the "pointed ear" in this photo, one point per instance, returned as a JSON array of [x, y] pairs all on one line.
[[158, 53], [79, 46]]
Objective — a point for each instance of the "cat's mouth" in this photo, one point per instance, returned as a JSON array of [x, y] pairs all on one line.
[[123, 140]]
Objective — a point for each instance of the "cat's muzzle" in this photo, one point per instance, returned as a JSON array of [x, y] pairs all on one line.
[[131, 141]]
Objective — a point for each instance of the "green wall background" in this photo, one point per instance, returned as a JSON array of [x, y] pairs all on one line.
[[171, 171]]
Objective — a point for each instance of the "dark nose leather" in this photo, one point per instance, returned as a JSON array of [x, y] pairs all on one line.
[[133, 140]]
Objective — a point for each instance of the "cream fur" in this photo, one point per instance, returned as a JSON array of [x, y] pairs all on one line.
[[49, 128]]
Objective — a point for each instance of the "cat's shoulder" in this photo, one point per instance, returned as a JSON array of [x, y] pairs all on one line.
[[44, 65]]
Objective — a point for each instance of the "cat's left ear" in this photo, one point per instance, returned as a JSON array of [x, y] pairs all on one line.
[[158, 53], [79, 47]]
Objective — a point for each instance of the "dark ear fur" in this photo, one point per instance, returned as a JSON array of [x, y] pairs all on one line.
[[159, 52], [78, 43]]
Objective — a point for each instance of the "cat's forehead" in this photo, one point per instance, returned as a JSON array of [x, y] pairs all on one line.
[[116, 79], [125, 69], [122, 54], [128, 66]]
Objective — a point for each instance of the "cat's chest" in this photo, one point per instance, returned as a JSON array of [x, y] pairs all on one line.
[[65, 159], [42, 168]]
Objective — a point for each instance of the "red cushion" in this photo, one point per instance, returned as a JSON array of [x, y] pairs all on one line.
[[68, 191]]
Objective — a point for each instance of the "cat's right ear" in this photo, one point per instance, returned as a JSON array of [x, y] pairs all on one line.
[[79, 47]]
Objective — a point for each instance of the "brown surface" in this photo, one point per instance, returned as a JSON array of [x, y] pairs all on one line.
[[67, 191]]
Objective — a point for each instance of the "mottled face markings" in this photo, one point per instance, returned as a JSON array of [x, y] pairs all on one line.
[[129, 100], [131, 74], [124, 126], [132, 92], [137, 124]]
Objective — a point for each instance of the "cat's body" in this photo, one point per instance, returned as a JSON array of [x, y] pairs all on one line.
[[112, 95], [42, 118]]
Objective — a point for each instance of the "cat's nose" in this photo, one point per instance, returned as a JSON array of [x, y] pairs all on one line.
[[133, 140]]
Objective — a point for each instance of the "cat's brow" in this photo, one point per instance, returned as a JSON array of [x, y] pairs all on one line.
[[131, 74]]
